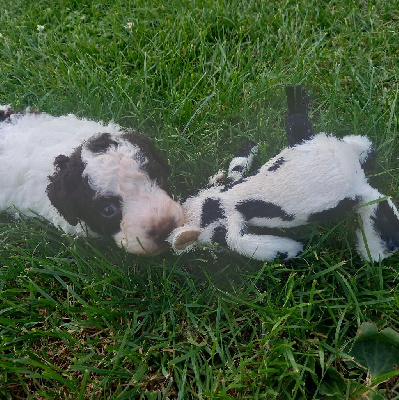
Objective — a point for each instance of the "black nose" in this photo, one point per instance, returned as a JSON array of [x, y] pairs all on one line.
[[162, 229]]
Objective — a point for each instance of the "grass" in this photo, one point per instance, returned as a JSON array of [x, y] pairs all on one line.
[[80, 319]]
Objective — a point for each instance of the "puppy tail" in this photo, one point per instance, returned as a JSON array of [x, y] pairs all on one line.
[[297, 123]]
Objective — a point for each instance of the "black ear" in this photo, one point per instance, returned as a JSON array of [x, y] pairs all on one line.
[[157, 168], [100, 143], [61, 162], [67, 188]]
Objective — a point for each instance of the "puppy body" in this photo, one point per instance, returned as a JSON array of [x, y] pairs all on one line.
[[86, 176]]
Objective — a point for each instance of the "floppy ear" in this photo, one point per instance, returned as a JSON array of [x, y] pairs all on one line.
[[65, 187], [157, 168]]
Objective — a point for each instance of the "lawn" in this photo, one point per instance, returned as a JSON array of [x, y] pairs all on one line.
[[80, 319]]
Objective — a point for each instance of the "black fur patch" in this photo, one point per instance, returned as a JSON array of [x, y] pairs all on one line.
[[101, 143], [5, 115], [369, 163], [238, 168], [67, 190], [99, 223], [262, 209], [230, 184], [282, 255], [298, 128], [211, 211], [297, 100], [219, 235], [277, 164], [75, 200], [387, 224], [297, 124], [341, 208], [266, 231], [245, 149], [157, 167]]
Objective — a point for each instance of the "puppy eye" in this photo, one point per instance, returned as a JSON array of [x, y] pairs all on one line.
[[109, 210], [159, 181]]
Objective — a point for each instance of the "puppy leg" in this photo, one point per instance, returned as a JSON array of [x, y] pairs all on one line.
[[379, 235], [262, 247], [239, 166], [266, 248], [242, 161]]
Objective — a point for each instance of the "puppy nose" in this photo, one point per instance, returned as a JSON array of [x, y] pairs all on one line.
[[162, 229]]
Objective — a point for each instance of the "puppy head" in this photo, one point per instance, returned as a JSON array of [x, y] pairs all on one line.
[[118, 186]]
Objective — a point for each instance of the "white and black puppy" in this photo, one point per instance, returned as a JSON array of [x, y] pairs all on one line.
[[85, 176], [317, 180]]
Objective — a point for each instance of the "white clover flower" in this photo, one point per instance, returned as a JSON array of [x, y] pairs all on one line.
[[40, 28], [129, 25]]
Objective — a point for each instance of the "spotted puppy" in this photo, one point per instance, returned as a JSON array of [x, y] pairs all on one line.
[[86, 177], [318, 179]]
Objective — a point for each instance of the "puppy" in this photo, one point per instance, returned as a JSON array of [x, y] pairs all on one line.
[[317, 180], [87, 178]]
